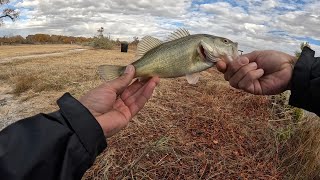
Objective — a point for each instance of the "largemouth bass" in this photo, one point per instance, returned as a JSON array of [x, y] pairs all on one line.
[[181, 55]]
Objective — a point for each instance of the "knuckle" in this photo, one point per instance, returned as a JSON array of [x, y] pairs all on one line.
[[244, 85], [243, 70], [251, 75], [241, 85], [233, 84], [250, 89], [233, 67], [122, 78]]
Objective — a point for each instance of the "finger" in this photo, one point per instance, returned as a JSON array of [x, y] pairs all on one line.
[[252, 56], [257, 87], [148, 90], [248, 82], [234, 80], [134, 97], [234, 66], [143, 91], [133, 88], [118, 85], [143, 97], [221, 66]]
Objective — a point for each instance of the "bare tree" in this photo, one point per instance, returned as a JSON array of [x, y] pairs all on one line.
[[7, 12], [135, 40], [100, 32]]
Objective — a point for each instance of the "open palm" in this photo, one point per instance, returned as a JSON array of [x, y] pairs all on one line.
[[114, 103]]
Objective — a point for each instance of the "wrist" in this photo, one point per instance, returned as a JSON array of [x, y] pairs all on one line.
[[102, 125], [292, 61]]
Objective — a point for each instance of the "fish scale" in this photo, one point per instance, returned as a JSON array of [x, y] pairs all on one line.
[[171, 59]]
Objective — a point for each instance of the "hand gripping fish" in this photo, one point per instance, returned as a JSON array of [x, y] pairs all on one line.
[[181, 55]]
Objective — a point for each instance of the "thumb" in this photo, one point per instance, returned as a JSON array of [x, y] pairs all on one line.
[[119, 84], [252, 56]]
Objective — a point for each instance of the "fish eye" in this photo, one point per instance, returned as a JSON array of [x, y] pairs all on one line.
[[226, 41]]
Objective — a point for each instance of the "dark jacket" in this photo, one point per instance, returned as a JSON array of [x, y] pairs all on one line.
[[305, 83], [60, 145], [64, 144]]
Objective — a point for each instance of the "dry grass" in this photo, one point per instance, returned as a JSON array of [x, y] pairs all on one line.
[[21, 50], [211, 132], [205, 131], [301, 153]]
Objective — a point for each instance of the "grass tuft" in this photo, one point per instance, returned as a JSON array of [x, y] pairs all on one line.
[[23, 83]]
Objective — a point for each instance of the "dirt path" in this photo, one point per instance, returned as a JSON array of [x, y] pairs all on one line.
[[9, 107], [9, 59]]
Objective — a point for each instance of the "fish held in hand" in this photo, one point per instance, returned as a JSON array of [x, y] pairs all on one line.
[[181, 55]]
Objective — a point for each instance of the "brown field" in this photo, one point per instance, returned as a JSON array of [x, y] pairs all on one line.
[[22, 50], [203, 131]]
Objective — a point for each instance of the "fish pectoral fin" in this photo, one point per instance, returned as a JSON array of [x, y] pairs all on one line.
[[206, 51], [109, 72], [193, 78]]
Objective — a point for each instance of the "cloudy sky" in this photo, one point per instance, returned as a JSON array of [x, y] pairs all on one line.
[[268, 24]]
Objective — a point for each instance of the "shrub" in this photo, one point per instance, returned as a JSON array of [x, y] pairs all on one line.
[[23, 83], [102, 43]]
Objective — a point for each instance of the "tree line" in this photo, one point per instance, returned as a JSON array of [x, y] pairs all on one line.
[[43, 39]]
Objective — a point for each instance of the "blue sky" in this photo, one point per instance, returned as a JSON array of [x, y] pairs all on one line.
[[268, 24]]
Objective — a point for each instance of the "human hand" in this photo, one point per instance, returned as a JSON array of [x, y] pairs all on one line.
[[260, 72], [114, 103]]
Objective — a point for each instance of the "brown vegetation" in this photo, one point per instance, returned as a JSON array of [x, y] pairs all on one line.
[[23, 50], [43, 39], [203, 131], [300, 153]]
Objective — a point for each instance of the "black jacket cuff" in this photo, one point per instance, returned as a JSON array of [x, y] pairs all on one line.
[[82, 122], [305, 82]]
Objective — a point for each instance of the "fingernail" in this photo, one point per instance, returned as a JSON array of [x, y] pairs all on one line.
[[254, 65], [129, 69], [261, 71], [244, 60]]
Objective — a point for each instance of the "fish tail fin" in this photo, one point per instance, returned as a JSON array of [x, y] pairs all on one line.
[[110, 72]]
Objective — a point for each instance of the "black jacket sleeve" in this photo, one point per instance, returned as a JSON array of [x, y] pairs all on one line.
[[305, 83], [60, 145]]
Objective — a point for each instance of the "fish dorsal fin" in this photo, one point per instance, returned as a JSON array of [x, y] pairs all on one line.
[[146, 44], [180, 33]]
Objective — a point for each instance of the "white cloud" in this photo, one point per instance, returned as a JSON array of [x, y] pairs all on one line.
[[250, 22], [254, 28], [27, 4]]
